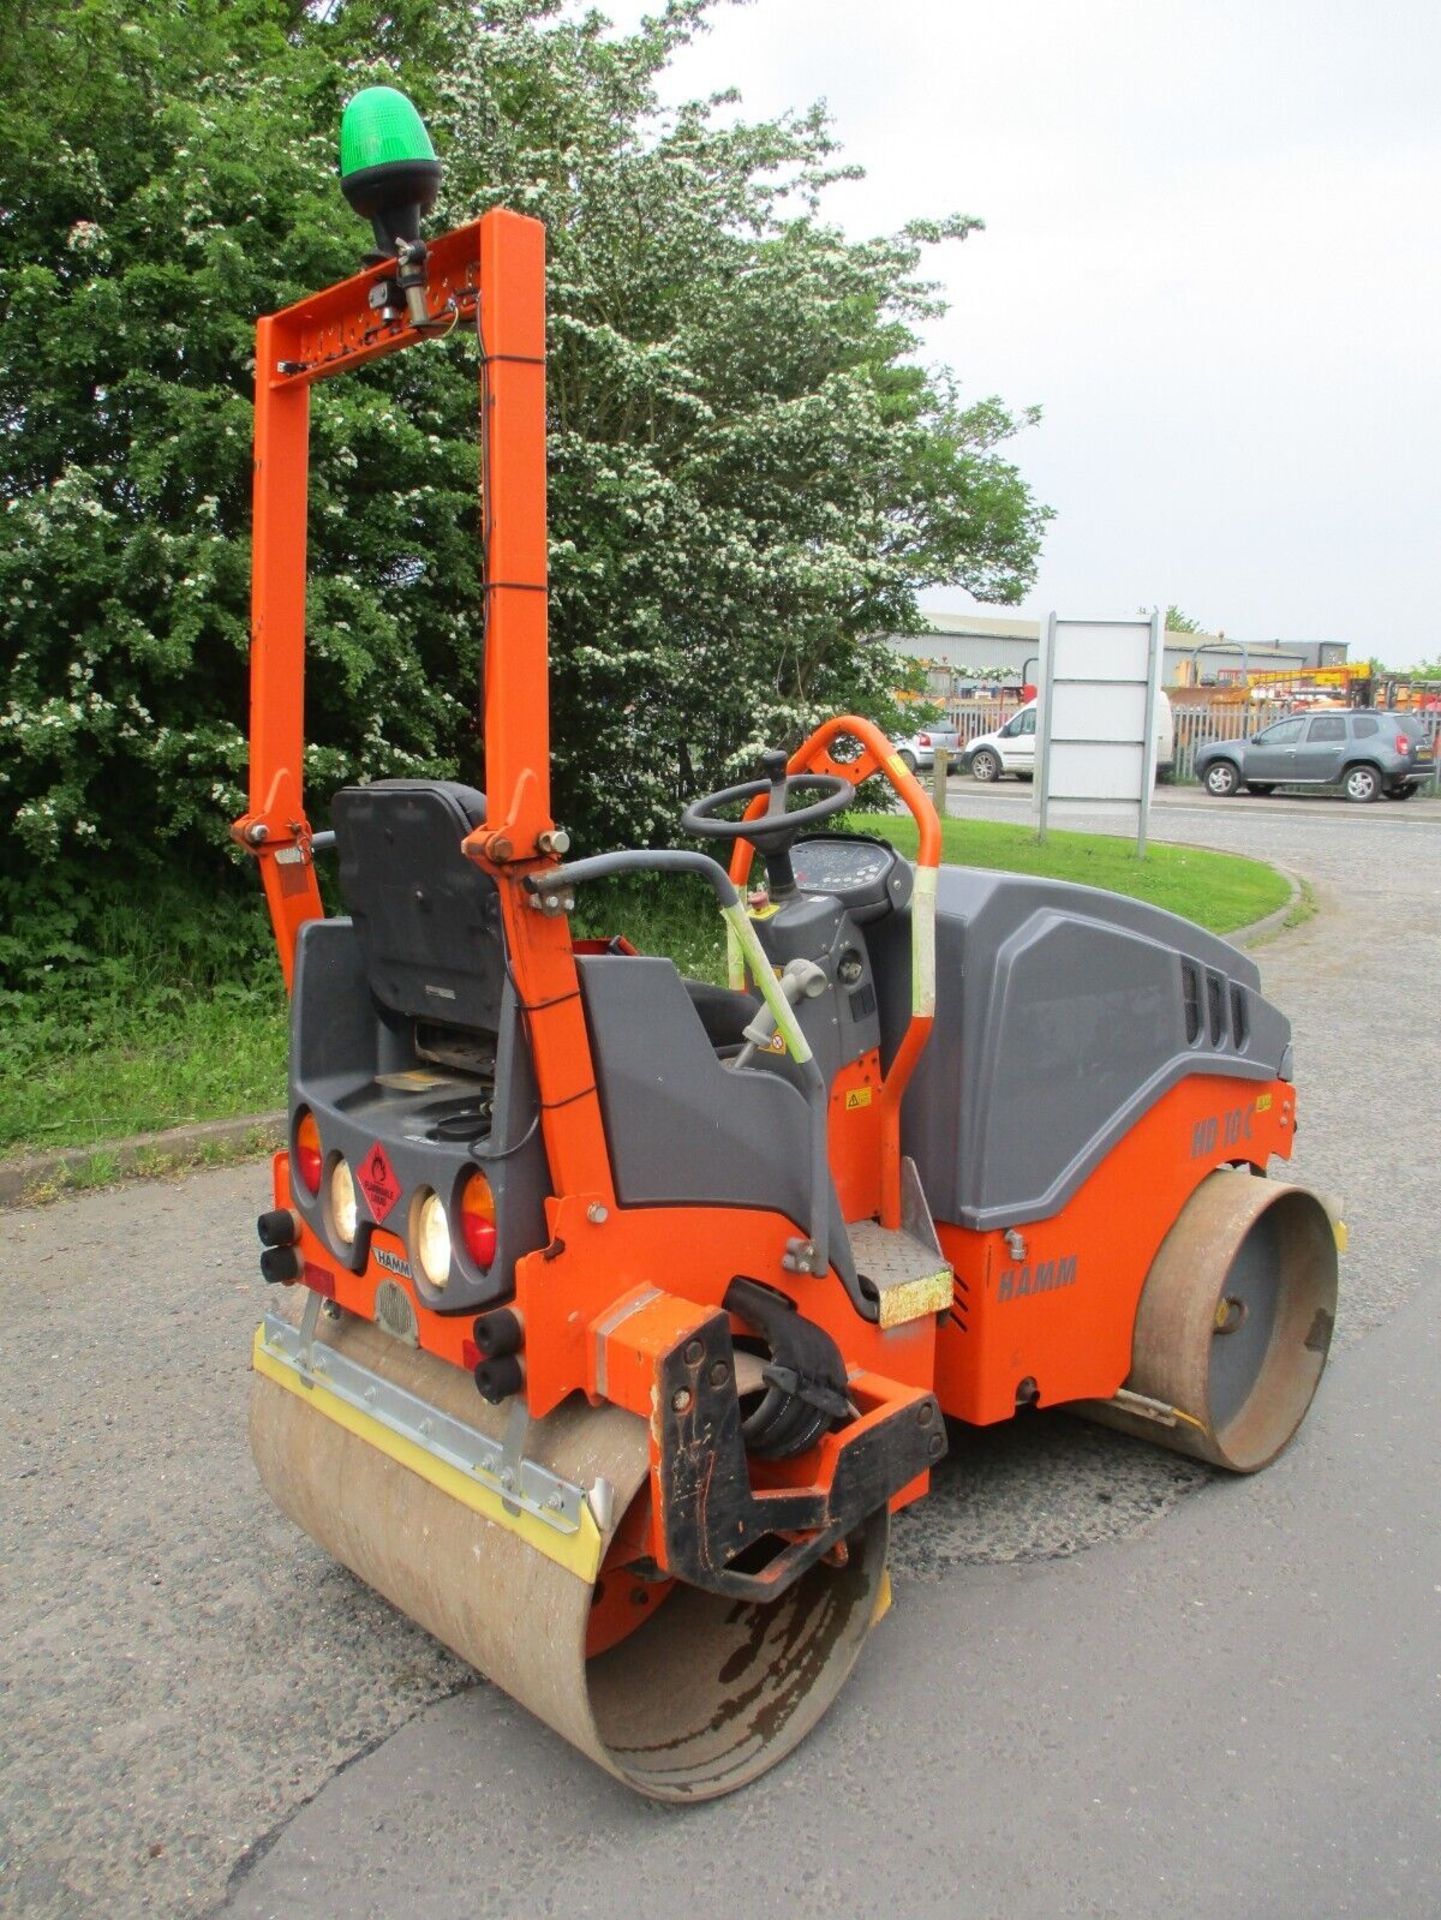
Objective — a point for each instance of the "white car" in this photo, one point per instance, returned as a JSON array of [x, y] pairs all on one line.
[[1012, 748]]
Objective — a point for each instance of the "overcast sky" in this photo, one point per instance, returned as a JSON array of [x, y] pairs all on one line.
[[1213, 256]]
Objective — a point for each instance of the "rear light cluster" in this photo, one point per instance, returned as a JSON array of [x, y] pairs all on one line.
[[923, 739], [1403, 743], [309, 1160], [432, 1234], [477, 1219], [344, 1207], [431, 1239]]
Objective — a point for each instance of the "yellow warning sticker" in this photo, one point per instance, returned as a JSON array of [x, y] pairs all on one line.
[[858, 1097], [1263, 1103], [898, 766]]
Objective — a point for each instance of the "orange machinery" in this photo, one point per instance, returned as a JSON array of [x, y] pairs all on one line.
[[626, 1309]]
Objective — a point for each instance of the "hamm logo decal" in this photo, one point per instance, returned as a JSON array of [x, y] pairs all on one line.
[[1044, 1277], [392, 1262]]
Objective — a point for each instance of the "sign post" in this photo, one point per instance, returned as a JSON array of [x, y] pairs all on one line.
[[1096, 723]]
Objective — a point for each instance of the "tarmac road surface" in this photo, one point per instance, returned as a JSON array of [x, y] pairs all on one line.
[[1111, 1681]]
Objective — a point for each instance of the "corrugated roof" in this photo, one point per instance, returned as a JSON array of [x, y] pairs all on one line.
[[988, 625]]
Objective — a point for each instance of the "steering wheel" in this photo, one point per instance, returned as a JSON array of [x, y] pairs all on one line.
[[774, 832]]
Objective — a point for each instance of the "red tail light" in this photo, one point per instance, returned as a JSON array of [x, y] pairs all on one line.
[[308, 1160], [1403, 743], [477, 1220], [923, 739]]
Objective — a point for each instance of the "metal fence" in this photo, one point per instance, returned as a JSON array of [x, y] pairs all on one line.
[[971, 718]]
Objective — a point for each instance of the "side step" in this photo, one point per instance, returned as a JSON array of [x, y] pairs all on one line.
[[903, 1267]]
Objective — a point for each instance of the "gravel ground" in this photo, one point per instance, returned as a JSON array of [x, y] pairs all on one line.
[[182, 1672]]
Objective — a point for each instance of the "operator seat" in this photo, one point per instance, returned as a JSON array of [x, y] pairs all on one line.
[[723, 1013], [427, 918]]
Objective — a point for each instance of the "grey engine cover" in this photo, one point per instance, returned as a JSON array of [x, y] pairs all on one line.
[[1063, 1014]]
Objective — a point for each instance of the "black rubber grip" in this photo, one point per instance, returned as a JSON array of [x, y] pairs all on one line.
[[278, 1228], [499, 1379], [280, 1266], [499, 1334]]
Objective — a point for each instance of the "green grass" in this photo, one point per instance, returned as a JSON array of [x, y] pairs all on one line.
[[1220, 891], [160, 1061], [138, 1052], [670, 915]]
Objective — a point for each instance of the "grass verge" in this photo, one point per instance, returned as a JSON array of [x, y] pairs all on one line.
[[1304, 907], [76, 1077], [108, 1164], [160, 1056], [1220, 891]]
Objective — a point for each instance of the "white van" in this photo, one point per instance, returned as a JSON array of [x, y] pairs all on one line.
[[1012, 748]]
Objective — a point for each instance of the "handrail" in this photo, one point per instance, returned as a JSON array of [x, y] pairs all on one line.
[[878, 756]]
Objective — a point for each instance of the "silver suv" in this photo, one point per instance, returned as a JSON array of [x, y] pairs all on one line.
[[1365, 753], [918, 751]]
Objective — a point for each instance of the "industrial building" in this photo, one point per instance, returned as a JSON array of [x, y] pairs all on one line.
[[991, 648]]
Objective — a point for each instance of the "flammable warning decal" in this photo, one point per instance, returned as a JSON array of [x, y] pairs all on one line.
[[378, 1181]]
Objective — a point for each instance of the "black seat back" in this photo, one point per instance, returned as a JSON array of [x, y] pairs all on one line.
[[427, 918]]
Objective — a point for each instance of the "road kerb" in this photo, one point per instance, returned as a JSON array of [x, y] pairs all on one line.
[[1271, 922], [40, 1176]]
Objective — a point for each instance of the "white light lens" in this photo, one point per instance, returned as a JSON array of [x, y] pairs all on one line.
[[344, 1213], [432, 1241]]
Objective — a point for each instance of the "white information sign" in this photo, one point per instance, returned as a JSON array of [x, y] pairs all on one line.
[[1096, 719]]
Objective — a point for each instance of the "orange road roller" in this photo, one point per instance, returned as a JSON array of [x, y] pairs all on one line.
[[616, 1312]]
